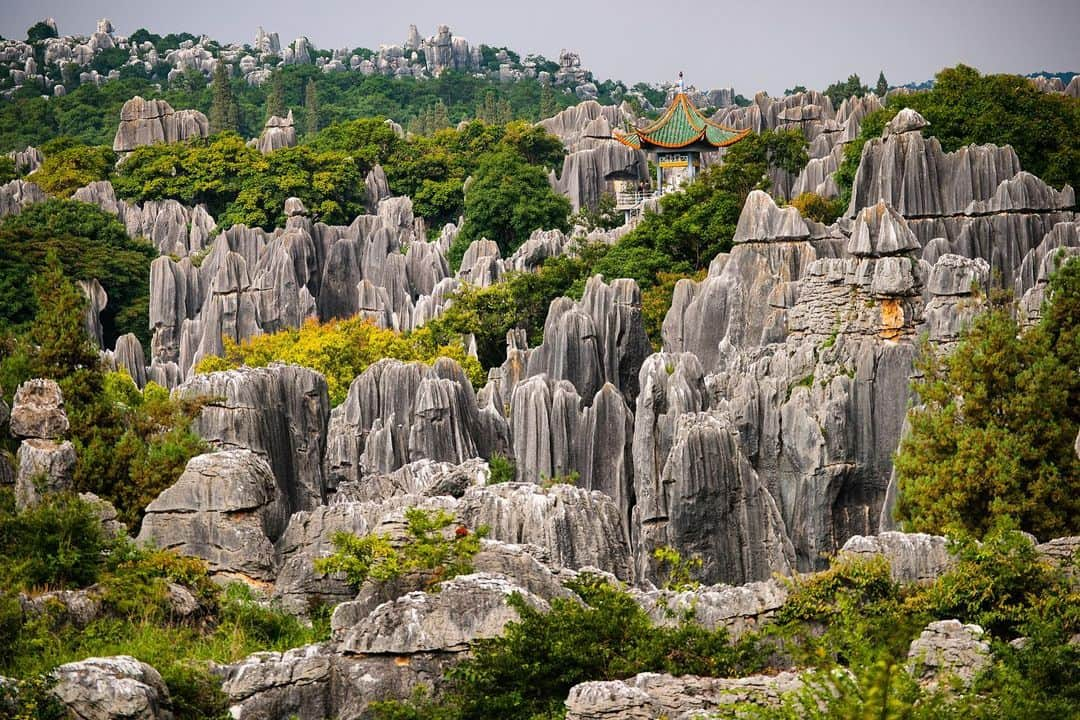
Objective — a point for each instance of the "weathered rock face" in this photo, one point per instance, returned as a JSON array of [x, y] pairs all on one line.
[[737, 609], [710, 503], [45, 467], [112, 688], [145, 122], [224, 509], [278, 412], [279, 132], [38, 410], [466, 608], [913, 557], [17, 194], [948, 651], [396, 413], [650, 695]]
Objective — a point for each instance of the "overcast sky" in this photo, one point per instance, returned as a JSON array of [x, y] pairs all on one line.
[[748, 45]]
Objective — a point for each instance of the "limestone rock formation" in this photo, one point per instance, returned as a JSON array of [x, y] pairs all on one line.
[[651, 695], [279, 412], [711, 504], [45, 467], [38, 410], [112, 688], [145, 122], [466, 608], [736, 608], [17, 194], [913, 557], [948, 651], [279, 132], [225, 509]]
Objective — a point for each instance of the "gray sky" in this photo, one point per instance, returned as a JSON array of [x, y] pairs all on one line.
[[750, 45]]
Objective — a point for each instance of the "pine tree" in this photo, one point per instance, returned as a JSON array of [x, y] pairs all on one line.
[[882, 86], [548, 105], [440, 117], [311, 105], [64, 348], [504, 112], [275, 99], [224, 111]]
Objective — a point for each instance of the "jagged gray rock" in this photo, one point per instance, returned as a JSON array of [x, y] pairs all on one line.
[[710, 503], [129, 356], [279, 412], [37, 410], [948, 651], [762, 221], [145, 122], [465, 609], [112, 688], [97, 299], [738, 609], [225, 509], [18, 194], [279, 132], [651, 695], [45, 467], [913, 557]]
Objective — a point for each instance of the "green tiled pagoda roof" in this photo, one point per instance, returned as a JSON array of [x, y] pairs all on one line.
[[680, 126]]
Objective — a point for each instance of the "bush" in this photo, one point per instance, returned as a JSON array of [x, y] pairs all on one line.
[[503, 469], [57, 543], [65, 171], [814, 207], [430, 547]]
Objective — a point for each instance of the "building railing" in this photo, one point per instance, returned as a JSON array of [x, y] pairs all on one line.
[[631, 200]]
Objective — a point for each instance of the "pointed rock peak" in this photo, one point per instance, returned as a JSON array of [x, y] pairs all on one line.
[[907, 120], [879, 230], [762, 221]]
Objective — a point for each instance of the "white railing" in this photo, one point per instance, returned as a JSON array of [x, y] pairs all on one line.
[[630, 200]]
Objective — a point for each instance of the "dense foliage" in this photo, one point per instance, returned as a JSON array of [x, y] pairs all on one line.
[[994, 437], [964, 107], [91, 113], [341, 350], [91, 244]]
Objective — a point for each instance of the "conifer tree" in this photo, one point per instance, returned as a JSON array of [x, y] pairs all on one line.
[[275, 100], [58, 331], [548, 105], [440, 117], [882, 86], [224, 111], [311, 106]]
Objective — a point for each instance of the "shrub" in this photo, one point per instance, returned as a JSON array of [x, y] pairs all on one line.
[[57, 543], [814, 207], [676, 571], [430, 547], [502, 469], [65, 171]]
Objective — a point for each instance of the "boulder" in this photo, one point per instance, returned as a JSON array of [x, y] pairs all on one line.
[[38, 410], [225, 509], [948, 651], [112, 688], [145, 122], [913, 557], [652, 695], [45, 467], [465, 609]]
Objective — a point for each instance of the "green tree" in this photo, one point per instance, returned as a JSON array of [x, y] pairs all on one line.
[[507, 200], [66, 170], [994, 436], [548, 105], [224, 112], [882, 86], [90, 243], [39, 32], [311, 108], [840, 91], [58, 334], [275, 99]]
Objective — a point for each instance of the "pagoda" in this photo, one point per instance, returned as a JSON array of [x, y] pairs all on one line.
[[675, 141]]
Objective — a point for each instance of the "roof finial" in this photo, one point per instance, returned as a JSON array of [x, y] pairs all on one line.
[[682, 85]]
